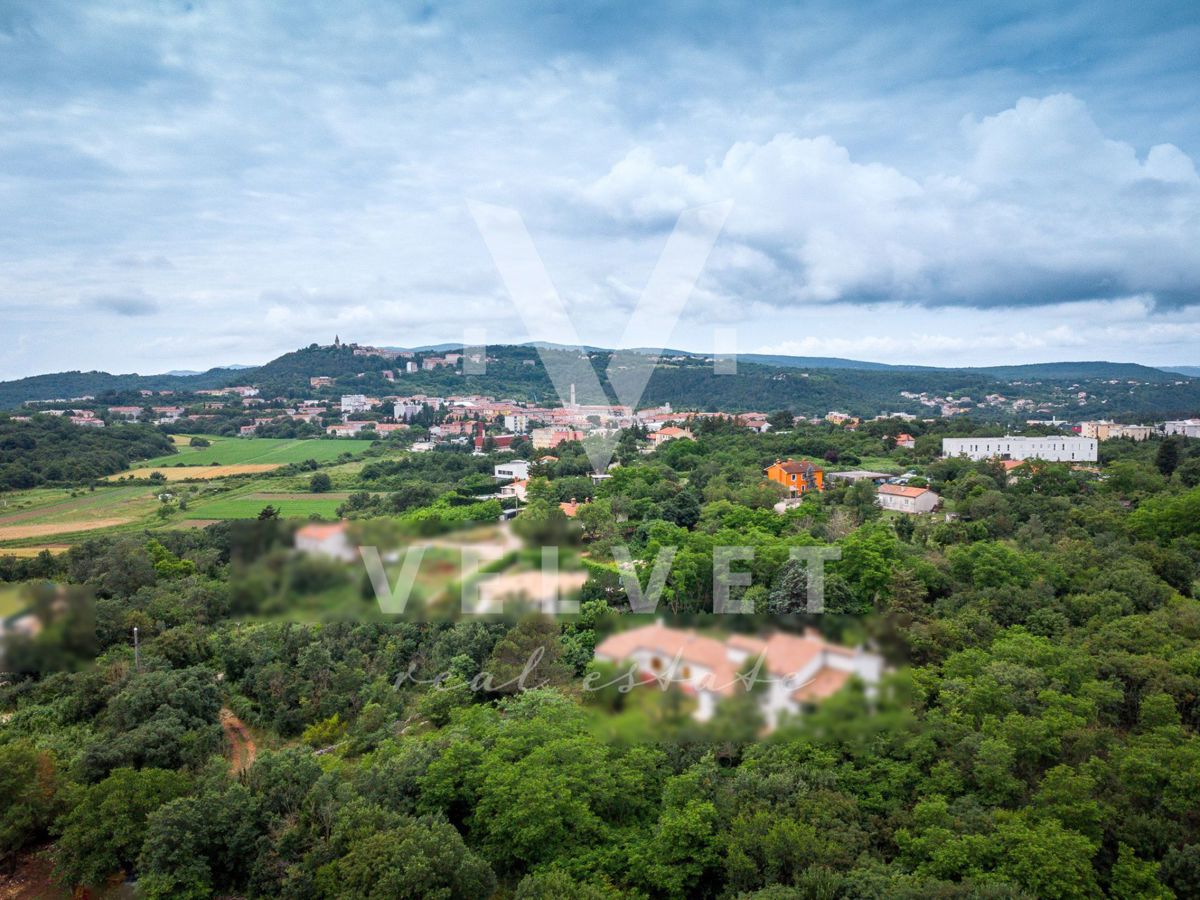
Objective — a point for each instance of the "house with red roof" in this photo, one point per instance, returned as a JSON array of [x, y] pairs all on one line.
[[330, 540], [905, 499], [800, 670]]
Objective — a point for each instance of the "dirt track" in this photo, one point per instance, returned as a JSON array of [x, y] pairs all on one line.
[[242, 749]]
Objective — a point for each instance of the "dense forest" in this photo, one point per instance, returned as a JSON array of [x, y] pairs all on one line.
[[1037, 735], [51, 450]]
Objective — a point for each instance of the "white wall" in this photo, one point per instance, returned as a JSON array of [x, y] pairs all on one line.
[[1055, 448]]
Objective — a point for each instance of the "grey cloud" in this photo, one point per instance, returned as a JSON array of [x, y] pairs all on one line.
[[132, 304]]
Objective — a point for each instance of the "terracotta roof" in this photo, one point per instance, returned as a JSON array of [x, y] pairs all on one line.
[[785, 654], [824, 684], [792, 467], [902, 490], [672, 643], [319, 532]]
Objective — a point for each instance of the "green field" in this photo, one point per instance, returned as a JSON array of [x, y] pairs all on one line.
[[11, 601], [230, 451], [290, 506]]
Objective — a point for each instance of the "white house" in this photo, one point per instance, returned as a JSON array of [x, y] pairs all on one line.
[[330, 541], [514, 470], [905, 499], [1052, 448], [799, 670]]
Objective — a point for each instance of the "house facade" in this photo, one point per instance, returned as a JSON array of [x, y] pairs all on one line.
[[1052, 448], [905, 499], [800, 670], [797, 477]]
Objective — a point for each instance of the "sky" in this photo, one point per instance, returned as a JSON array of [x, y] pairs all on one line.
[[189, 184]]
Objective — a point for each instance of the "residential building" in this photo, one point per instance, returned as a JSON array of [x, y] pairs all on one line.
[[331, 541], [669, 433], [347, 429], [1185, 427], [798, 477], [905, 499], [320, 381], [547, 438], [125, 412], [800, 670], [516, 469], [516, 422], [1052, 448], [353, 403], [515, 489], [906, 440]]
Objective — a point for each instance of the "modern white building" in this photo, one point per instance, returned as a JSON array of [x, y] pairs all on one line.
[[799, 670], [1052, 448], [905, 499], [514, 470]]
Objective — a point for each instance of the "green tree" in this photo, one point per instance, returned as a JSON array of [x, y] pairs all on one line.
[[104, 831], [30, 786], [320, 483], [1167, 459]]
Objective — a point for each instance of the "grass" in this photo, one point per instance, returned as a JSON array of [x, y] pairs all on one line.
[[11, 601], [290, 506], [43, 513], [233, 451]]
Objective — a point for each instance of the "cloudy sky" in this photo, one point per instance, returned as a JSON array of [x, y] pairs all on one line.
[[185, 184]]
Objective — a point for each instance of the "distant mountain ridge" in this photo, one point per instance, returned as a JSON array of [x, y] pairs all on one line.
[[291, 371]]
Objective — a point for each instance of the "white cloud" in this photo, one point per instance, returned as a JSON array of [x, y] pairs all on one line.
[[1040, 207]]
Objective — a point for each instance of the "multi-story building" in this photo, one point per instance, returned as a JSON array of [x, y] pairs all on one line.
[[517, 469], [797, 477], [546, 438], [1052, 448], [352, 403]]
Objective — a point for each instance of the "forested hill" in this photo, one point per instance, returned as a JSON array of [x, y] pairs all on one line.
[[1109, 389], [68, 385]]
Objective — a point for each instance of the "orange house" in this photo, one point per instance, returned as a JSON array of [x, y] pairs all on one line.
[[797, 477]]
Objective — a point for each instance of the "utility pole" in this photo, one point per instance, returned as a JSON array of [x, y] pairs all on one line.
[[137, 656]]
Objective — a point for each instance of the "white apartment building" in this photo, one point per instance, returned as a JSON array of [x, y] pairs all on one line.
[[1186, 427], [516, 423], [1052, 448], [514, 470], [352, 403]]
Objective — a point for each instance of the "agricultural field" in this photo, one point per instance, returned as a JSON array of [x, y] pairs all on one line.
[[235, 451], [290, 506], [46, 513], [194, 473]]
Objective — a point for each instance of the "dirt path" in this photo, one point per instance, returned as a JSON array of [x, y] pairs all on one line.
[[242, 749]]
